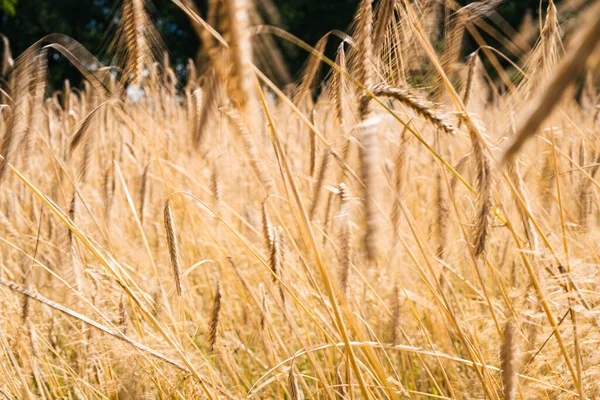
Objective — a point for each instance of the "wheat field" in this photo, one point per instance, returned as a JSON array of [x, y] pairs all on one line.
[[406, 221]]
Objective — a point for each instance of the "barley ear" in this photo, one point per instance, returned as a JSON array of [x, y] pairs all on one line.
[[213, 325], [509, 358], [369, 157], [294, 388], [346, 236], [173, 245]]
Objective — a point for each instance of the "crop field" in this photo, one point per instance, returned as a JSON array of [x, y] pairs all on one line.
[[408, 220]]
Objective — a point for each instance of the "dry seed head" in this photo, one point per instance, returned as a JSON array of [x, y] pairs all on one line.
[[137, 43], [199, 111], [281, 238], [143, 192], [122, 315], [267, 228], [41, 68], [420, 106], [265, 306], [484, 187], [295, 391], [213, 325], [72, 213], [19, 83], [216, 187], [396, 314], [173, 245], [369, 158], [399, 171], [274, 258], [240, 85], [344, 194], [340, 85], [345, 238], [192, 75], [472, 64], [509, 357], [441, 223], [383, 20], [365, 72]]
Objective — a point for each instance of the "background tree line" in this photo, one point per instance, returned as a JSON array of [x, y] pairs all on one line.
[[90, 21]]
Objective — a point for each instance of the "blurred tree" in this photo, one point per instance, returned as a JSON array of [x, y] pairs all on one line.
[[9, 7], [89, 22]]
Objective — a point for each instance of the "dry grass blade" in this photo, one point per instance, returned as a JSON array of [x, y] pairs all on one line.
[[81, 132], [86, 320], [319, 183]]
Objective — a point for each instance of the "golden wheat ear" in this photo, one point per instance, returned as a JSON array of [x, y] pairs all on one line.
[[240, 85], [215, 315], [509, 357], [19, 88], [363, 35], [544, 56], [294, 389], [422, 107], [136, 44], [173, 244]]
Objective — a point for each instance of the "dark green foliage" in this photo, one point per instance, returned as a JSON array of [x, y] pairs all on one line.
[[89, 22]]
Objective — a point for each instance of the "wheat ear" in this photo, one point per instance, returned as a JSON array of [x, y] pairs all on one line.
[[213, 325], [420, 106], [173, 245], [509, 356]]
